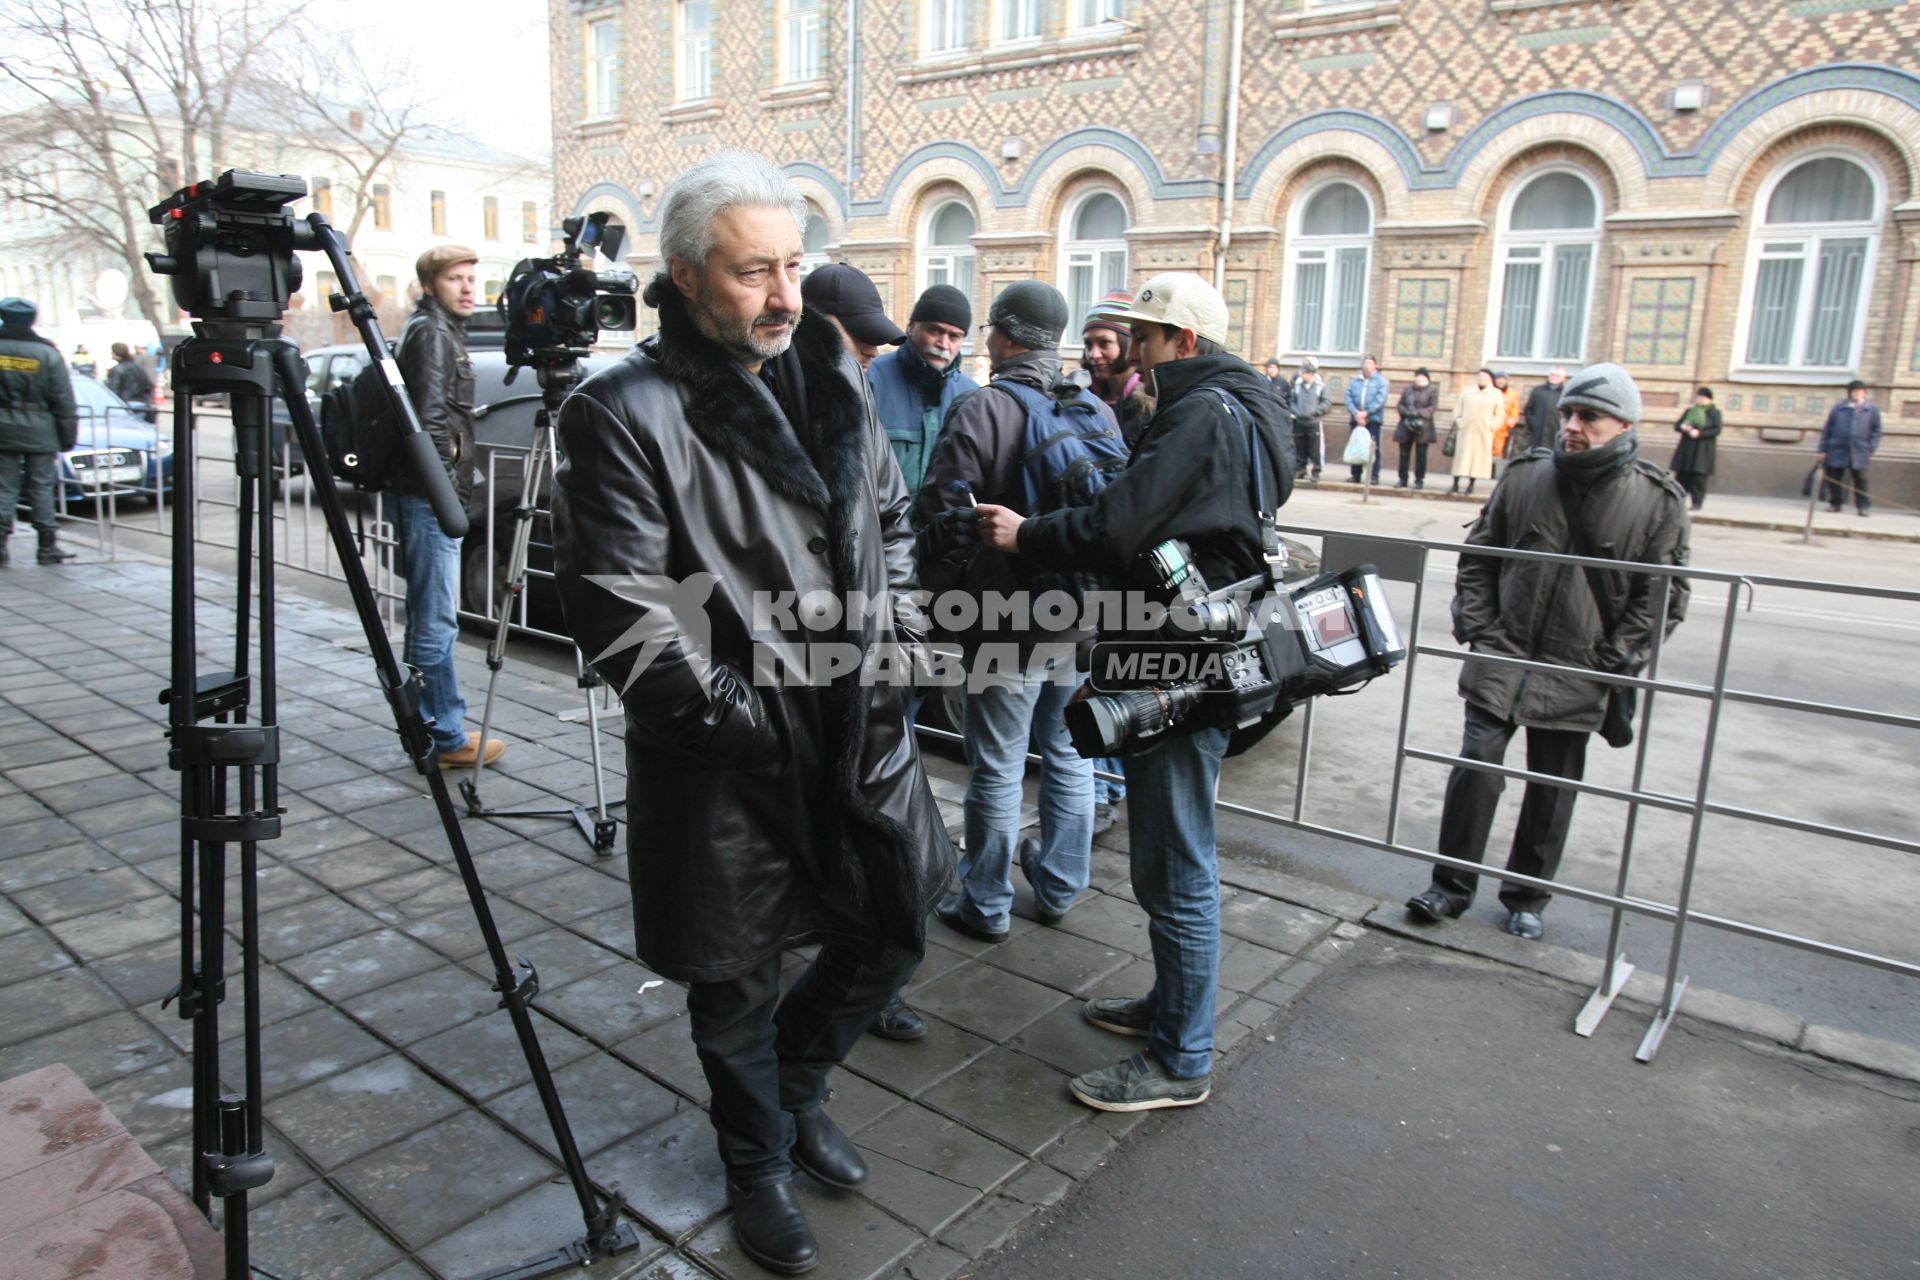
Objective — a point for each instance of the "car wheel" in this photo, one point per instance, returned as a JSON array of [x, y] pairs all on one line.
[[475, 573]]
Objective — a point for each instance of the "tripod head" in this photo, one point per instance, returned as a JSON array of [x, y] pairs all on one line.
[[230, 256]]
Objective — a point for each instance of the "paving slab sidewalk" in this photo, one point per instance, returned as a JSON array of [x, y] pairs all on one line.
[[406, 1137]]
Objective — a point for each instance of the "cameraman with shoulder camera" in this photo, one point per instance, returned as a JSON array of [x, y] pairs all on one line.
[[439, 377], [1191, 480]]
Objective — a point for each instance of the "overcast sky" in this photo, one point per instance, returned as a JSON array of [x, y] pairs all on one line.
[[483, 61]]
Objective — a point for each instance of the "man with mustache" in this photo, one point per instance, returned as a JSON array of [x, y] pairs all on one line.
[[763, 815]]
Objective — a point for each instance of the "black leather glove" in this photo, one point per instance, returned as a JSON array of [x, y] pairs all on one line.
[[950, 537], [741, 736]]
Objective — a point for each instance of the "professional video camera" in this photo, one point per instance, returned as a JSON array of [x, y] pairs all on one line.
[[1236, 658], [556, 307]]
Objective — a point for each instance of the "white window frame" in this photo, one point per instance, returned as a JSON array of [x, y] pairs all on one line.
[[946, 26], [1088, 254], [1301, 248], [1018, 21], [603, 68], [1541, 245], [803, 56], [946, 258], [1093, 15], [692, 54], [1809, 235]]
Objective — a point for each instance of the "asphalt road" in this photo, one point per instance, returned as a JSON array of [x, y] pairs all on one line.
[[1407, 1117], [1818, 647]]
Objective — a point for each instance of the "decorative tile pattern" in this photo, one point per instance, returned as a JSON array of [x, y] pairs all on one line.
[[1659, 313], [1420, 319]]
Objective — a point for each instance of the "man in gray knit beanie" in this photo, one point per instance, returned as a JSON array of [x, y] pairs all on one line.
[[1030, 314], [1592, 495]]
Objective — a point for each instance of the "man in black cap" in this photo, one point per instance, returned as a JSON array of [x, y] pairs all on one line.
[[848, 298], [914, 386], [37, 422], [1019, 677]]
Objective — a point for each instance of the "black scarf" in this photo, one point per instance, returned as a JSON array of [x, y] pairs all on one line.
[[1590, 466]]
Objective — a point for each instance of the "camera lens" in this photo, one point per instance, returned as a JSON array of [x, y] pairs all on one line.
[[614, 312]]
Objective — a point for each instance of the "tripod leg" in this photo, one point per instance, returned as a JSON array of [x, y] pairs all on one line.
[[509, 599], [604, 827], [606, 1234]]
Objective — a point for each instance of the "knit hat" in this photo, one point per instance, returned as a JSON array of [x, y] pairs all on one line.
[[943, 304], [1031, 312], [845, 292], [438, 259], [17, 311], [1604, 387], [1106, 314]]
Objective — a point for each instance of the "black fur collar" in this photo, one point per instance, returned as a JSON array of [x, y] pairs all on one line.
[[732, 411]]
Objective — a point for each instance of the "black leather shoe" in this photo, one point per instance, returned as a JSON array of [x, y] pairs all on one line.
[[1431, 907], [823, 1150], [772, 1228], [953, 914], [1526, 924], [897, 1022]]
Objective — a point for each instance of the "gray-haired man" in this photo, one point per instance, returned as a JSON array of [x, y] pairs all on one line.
[[739, 447]]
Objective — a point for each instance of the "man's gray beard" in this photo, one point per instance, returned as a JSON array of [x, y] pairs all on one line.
[[738, 339]]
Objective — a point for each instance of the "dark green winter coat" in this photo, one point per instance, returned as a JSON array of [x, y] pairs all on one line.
[[36, 396], [1531, 609]]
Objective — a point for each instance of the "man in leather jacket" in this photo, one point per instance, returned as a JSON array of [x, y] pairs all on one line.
[[725, 474], [1189, 479], [439, 377], [1545, 612]]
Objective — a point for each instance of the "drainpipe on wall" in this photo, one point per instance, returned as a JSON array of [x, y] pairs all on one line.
[[1229, 152], [853, 100]]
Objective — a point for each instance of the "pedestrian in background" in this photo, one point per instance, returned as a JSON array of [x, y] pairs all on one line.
[[1106, 353], [1698, 426], [1847, 445], [83, 360], [1476, 416], [37, 423], [1540, 419], [1414, 432], [131, 382], [1594, 492], [1510, 412], [1367, 407], [1310, 398]]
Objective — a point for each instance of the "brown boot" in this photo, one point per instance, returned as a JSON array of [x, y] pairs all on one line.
[[466, 757]]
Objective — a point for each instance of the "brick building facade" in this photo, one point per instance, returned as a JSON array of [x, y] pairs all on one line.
[[1711, 192]]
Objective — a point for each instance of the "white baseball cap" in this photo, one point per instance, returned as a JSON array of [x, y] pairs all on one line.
[[1183, 300]]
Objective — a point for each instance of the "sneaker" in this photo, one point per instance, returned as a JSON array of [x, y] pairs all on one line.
[[1117, 1013], [1105, 814], [465, 757], [1139, 1083]]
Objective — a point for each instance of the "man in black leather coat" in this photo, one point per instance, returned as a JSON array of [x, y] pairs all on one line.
[[714, 486]]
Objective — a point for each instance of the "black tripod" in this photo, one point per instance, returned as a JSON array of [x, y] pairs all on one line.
[[233, 235], [558, 375]]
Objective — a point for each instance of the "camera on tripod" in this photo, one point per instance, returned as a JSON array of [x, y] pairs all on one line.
[[555, 307], [1232, 658]]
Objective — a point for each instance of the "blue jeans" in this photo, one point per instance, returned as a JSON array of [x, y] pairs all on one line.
[[1000, 719], [1176, 877], [432, 563], [1105, 792]]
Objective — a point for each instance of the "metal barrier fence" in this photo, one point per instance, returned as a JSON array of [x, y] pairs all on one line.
[[303, 544]]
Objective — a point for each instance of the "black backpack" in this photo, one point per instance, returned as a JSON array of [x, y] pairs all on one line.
[[357, 428]]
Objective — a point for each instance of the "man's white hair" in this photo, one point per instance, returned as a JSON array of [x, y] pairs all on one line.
[[718, 183]]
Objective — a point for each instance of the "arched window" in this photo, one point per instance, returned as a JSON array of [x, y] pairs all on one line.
[[813, 240], [1543, 281], [1095, 257], [1330, 254], [1808, 266], [946, 247]]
